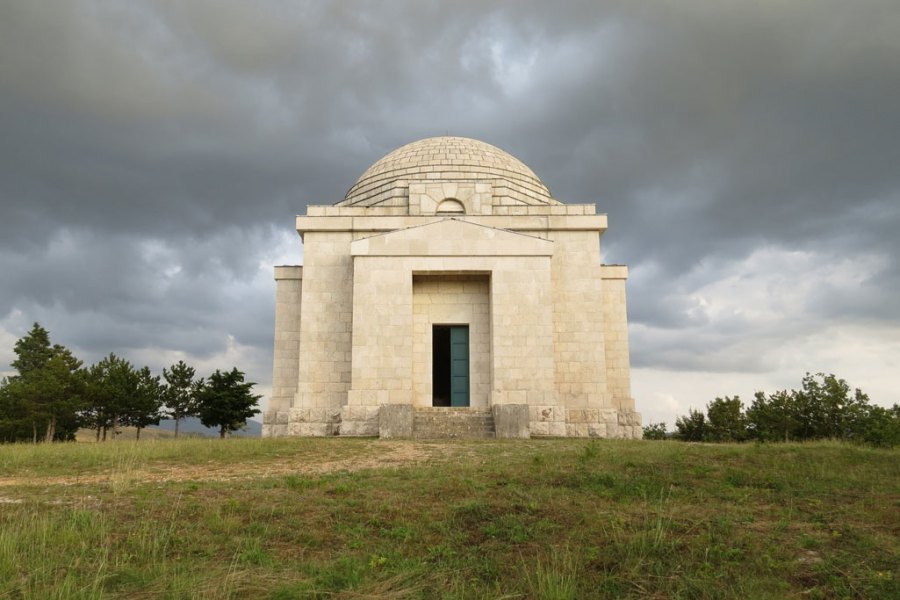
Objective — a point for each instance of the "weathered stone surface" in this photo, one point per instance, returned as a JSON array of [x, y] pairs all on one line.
[[276, 430], [358, 428], [539, 428], [583, 415], [310, 429], [395, 421], [435, 423], [511, 420], [558, 429], [608, 415], [547, 413], [597, 430]]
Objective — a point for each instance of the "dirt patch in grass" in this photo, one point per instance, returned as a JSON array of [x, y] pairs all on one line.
[[377, 455]]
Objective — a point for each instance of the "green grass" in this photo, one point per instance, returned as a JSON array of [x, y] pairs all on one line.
[[293, 518]]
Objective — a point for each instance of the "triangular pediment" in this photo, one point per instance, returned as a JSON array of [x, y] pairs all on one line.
[[452, 237]]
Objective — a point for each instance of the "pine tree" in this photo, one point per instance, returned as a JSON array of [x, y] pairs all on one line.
[[180, 392], [47, 392], [146, 401], [112, 383], [225, 401], [33, 350]]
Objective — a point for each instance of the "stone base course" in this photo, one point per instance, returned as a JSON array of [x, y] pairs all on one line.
[[510, 421]]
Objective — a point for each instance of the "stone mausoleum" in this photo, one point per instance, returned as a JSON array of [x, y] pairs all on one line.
[[449, 294]]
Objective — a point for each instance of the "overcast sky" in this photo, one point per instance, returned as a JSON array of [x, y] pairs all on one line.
[[154, 153]]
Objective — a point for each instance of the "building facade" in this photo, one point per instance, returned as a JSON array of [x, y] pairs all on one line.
[[449, 281]]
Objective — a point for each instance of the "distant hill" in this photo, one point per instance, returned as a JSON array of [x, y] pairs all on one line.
[[190, 428], [129, 433], [193, 425]]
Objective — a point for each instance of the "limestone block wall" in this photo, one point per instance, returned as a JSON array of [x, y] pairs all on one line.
[[326, 321], [618, 364], [382, 328], [475, 196], [547, 322], [578, 320], [456, 300], [288, 288], [522, 332]]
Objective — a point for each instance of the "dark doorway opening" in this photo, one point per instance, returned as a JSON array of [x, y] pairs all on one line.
[[440, 366], [450, 365]]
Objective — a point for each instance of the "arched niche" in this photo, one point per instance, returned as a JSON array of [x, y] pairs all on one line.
[[450, 206]]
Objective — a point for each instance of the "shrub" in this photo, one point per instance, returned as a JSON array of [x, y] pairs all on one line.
[[655, 431]]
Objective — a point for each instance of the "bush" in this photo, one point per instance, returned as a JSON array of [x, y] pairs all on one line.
[[655, 431], [691, 428], [824, 408], [725, 420]]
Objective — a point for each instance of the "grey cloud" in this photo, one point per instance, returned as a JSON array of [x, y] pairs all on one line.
[[148, 133]]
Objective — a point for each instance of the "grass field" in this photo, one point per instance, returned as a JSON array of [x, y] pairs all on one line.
[[339, 518]]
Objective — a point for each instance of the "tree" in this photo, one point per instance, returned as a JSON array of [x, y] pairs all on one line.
[[112, 383], [180, 392], [725, 420], [773, 418], [225, 401], [33, 350], [47, 392], [827, 409], [15, 416], [146, 401], [118, 394], [655, 431], [55, 392], [691, 428], [881, 426]]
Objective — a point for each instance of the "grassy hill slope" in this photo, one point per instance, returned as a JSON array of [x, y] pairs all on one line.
[[294, 518]]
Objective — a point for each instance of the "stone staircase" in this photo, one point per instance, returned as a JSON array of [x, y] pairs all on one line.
[[461, 423]]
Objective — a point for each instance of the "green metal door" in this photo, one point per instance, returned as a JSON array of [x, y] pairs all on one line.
[[459, 366]]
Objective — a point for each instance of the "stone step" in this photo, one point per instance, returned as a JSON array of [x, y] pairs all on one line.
[[452, 422]]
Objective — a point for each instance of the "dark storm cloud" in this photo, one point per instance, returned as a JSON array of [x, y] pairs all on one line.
[[140, 137]]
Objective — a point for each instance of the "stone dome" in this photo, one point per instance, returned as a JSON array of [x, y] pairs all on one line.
[[447, 159]]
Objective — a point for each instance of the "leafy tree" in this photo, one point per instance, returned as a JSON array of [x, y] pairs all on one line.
[[655, 431], [180, 392], [725, 420], [823, 408], [773, 418], [225, 401], [881, 426], [691, 428], [827, 409]]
